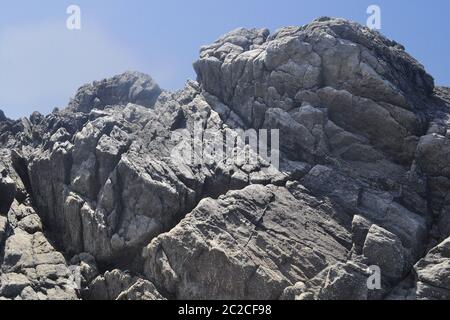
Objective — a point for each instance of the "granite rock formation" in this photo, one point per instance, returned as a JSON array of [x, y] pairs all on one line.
[[94, 204]]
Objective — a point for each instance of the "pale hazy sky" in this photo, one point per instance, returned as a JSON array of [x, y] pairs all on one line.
[[42, 63]]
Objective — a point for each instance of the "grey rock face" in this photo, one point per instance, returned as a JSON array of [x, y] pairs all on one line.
[[342, 281], [31, 268], [117, 285], [30, 262], [130, 87], [330, 64], [385, 250], [433, 274], [111, 198], [264, 239], [114, 184]]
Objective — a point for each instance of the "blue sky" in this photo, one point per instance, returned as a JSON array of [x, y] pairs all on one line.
[[42, 63]]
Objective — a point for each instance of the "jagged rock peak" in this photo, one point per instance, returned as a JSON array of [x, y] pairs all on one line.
[[244, 65], [114, 183], [129, 87]]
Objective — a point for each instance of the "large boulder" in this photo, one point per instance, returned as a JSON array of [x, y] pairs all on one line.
[[385, 250], [263, 238], [433, 274], [129, 87]]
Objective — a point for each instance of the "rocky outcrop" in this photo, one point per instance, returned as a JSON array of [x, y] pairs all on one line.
[[97, 176], [263, 238], [433, 273], [365, 83], [115, 196], [130, 87], [117, 285], [31, 267]]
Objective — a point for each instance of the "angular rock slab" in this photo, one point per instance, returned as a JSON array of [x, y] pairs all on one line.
[[433, 274], [248, 244]]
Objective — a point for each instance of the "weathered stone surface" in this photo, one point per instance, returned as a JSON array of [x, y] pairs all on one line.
[[85, 265], [115, 185], [130, 87], [12, 284], [329, 64], [342, 281], [434, 155], [31, 261], [30, 266], [433, 274], [117, 285], [141, 290], [385, 250], [264, 239], [115, 196]]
